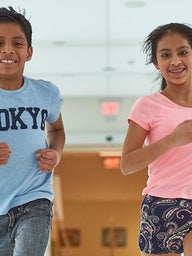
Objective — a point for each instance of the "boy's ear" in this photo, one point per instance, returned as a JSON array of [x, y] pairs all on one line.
[[30, 53]]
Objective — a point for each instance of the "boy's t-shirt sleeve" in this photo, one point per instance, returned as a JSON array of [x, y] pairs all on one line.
[[57, 101], [140, 113]]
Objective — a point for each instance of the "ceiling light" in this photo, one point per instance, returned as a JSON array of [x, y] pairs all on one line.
[[110, 153], [59, 43], [134, 4]]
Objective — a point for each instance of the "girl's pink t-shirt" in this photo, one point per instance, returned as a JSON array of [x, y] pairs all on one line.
[[170, 175]]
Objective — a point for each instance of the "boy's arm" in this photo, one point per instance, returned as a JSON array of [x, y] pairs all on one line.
[[56, 135], [50, 157]]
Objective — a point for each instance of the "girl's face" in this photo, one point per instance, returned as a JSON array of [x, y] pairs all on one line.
[[174, 59]]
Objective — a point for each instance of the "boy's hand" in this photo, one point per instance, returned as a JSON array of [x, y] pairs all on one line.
[[5, 152], [47, 159]]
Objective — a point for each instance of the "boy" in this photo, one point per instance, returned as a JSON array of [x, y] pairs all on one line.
[[31, 142]]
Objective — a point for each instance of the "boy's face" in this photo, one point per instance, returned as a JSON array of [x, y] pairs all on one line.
[[14, 51]]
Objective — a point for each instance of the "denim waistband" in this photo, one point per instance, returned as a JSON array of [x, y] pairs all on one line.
[[28, 204]]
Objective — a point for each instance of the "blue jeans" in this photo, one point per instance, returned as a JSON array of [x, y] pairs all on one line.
[[25, 230]]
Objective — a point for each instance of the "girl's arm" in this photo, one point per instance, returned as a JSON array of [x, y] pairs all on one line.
[[135, 156]]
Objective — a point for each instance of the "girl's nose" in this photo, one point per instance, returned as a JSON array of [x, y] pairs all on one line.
[[176, 61]]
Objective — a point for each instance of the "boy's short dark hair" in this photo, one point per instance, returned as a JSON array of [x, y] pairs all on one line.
[[8, 15]]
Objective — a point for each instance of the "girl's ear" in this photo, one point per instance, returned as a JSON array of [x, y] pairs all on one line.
[[29, 53], [156, 65]]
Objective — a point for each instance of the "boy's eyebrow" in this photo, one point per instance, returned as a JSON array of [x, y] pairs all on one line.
[[15, 37]]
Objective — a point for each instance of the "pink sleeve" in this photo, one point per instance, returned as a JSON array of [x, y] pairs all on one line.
[[140, 113]]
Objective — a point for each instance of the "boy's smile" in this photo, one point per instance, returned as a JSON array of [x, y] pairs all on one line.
[[14, 52]]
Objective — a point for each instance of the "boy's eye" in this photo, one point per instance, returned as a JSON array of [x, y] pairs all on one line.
[[15, 44], [18, 43]]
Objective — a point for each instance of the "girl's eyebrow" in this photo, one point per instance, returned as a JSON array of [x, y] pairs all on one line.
[[179, 48]]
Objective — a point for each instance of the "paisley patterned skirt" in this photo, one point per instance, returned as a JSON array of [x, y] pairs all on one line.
[[164, 224]]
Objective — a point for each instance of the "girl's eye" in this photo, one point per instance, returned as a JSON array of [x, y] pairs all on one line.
[[165, 55], [182, 53]]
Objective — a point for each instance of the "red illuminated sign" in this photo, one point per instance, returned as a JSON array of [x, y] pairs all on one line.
[[110, 108], [112, 162]]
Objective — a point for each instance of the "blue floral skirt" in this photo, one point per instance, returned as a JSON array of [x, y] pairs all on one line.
[[164, 224]]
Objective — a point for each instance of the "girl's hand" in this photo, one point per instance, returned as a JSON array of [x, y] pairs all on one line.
[[47, 159], [183, 133]]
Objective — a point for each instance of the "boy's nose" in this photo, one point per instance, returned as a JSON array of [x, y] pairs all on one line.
[[7, 48]]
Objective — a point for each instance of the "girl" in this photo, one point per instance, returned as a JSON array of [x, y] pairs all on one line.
[[164, 121]]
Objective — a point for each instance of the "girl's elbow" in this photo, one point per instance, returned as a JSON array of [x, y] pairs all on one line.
[[124, 172], [124, 169]]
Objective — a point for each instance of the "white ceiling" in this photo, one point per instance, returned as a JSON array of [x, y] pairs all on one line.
[[93, 47]]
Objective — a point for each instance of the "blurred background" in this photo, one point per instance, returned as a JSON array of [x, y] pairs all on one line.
[[92, 50]]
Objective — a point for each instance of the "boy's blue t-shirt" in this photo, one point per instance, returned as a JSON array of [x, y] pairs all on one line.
[[23, 114]]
